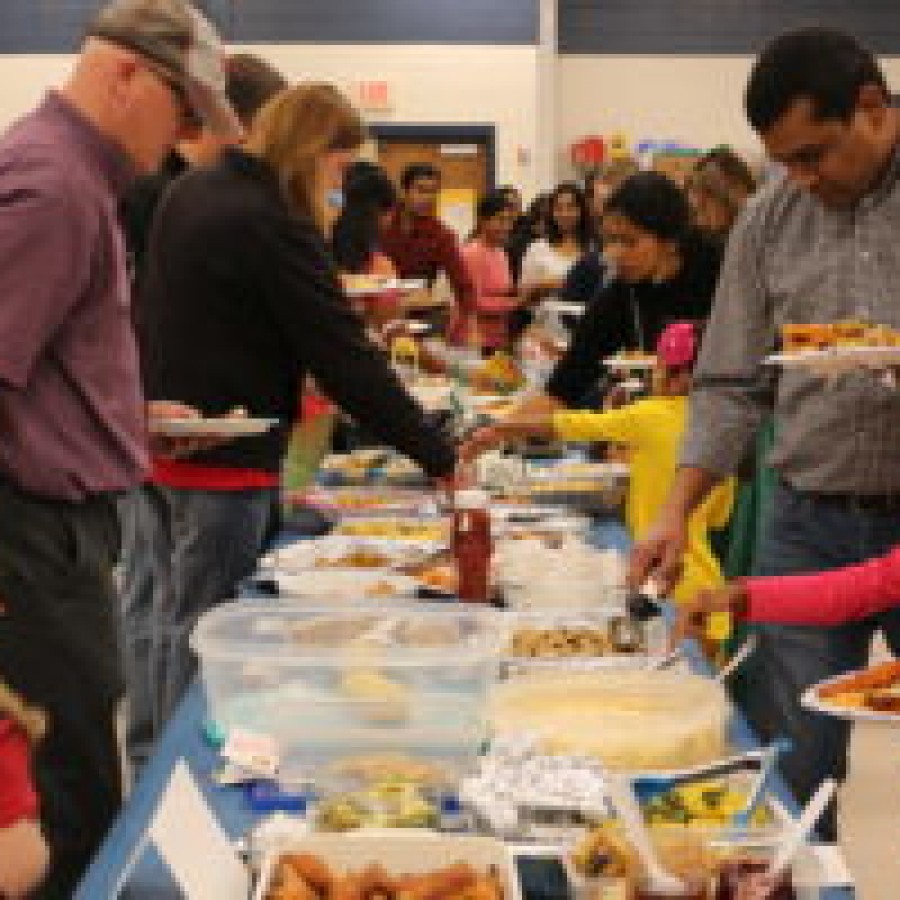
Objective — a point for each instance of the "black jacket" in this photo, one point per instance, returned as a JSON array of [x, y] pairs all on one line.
[[632, 317], [240, 301]]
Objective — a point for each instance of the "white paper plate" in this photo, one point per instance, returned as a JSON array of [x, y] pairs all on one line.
[[388, 284], [836, 360], [219, 426], [814, 703], [332, 585], [630, 364]]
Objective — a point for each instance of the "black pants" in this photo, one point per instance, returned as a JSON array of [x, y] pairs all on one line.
[[60, 648]]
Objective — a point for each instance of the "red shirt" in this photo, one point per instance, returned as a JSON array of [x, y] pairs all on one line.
[[18, 798], [827, 598], [426, 249]]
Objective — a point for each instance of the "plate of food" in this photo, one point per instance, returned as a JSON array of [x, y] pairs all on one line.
[[366, 285], [421, 531], [837, 347], [630, 361], [369, 501], [345, 585], [866, 695], [343, 553], [211, 426]]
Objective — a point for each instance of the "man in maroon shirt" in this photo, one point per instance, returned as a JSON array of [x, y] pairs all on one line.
[[73, 430], [417, 242]]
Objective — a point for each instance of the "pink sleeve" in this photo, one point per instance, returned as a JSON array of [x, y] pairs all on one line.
[[827, 598]]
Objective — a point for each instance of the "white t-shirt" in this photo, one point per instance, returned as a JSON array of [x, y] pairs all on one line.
[[542, 261]]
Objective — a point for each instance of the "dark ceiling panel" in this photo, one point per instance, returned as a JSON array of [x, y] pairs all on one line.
[[55, 26], [655, 27]]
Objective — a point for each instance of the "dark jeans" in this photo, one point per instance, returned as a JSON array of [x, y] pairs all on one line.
[[59, 647], [806, 533], [185, 551]]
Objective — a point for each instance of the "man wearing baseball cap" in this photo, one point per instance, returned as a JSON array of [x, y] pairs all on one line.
[[73, 423]]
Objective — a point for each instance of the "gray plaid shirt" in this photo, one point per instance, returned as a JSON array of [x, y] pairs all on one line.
[[792, 260]]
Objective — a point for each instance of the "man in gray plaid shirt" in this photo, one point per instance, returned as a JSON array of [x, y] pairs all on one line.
[[819, 243]]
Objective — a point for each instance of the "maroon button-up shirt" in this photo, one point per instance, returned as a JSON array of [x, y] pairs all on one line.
[[72, 418], [426, 249]]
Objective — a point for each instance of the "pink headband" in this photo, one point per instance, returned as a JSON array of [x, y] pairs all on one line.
[[677, 345]]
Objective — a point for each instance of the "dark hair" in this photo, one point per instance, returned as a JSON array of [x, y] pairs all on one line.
[[492, 204], [654, 203], [368, 192], [733, 169], [509, 191], [252, 83], [583, 228], [417, 171], [822, 64]]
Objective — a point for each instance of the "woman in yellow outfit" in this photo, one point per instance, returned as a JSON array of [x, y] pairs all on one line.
[[652, 430]]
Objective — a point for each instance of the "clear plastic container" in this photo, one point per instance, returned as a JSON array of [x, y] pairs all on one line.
[[326, 683], [633, 720], [578, 638]]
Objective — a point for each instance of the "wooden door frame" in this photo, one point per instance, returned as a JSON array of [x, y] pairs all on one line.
[[485, 135]]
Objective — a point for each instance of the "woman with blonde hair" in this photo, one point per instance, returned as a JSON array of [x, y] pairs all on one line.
[[241, 302]]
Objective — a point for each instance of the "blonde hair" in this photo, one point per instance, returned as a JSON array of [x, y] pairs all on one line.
[[32, 721], [294, 130]]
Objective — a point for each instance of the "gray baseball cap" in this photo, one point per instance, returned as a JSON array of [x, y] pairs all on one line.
[[182, 46]]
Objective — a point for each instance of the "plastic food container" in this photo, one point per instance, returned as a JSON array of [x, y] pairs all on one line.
[[633, 720], [326, 682], [585, 638], [401, 853]]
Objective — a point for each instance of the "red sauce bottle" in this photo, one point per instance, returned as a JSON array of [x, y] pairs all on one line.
[[472, 545]]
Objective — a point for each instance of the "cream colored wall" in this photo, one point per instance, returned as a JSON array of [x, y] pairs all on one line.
[[429, 84], [698, 100]]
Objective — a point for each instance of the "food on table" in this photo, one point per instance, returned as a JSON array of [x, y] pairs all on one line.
[[439, 576], [607, 852], [381, 589], [701, 803], [394, 529], [876, 689], [359, 284], [381, 700], [373, 767], [364, 499], [745, 879], [388, 803], [500, 374], [848, 333], [556, 643], [328, 631], [359, 558], [634, 720], [459, 881]]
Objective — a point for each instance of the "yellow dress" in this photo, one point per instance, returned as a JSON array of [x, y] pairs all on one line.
[[652, 429]]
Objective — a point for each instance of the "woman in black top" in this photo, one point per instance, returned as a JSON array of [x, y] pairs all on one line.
[[663, 271], [240, 302]]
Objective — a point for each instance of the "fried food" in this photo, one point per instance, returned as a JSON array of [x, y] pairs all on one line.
[[884, 675], [558, 643], [457, 882]]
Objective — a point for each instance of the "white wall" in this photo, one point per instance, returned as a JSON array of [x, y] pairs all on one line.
[[698, 100], [429, 84]]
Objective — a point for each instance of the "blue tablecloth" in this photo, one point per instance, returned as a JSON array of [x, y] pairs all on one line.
[[184, 739]]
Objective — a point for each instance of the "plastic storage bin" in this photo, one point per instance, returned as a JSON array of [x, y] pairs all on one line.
[[328, 683]]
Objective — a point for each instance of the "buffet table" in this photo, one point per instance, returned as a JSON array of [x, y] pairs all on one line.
[[184, 739]]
